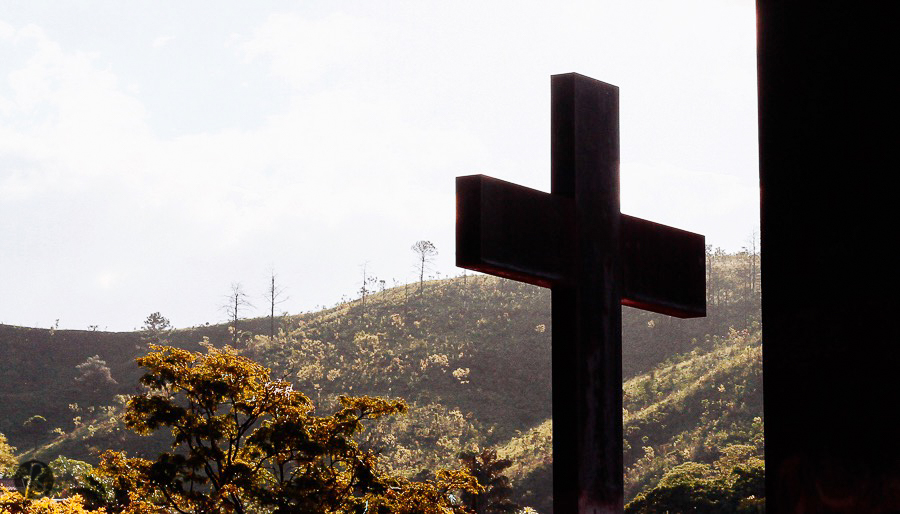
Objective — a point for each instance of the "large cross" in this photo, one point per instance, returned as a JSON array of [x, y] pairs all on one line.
[[594, 259]]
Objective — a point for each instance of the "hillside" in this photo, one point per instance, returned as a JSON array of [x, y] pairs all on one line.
[[471, 356], [689, 409]]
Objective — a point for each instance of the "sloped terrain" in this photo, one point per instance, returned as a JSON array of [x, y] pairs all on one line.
[[471, 355]]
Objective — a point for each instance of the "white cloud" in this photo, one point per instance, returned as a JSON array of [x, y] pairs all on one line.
[[161, 41], [67, 118], [304, 50], [714, 204], [107, 279], [381, 109], [7, 31]]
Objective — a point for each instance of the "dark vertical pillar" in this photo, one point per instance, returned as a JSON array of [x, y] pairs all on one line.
[[565, 420], [587, 316], [828, 161]]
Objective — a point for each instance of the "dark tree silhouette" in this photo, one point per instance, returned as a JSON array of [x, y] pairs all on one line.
[[35, 428], [488, 469], [156, 330]]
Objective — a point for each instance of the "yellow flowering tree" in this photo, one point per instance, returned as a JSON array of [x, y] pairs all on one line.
[[12, 502], [245, 442], [8, 460]]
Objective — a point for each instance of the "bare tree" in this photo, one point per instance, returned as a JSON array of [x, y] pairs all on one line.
[[236, 301], [752, 250], [405, 299], [274, 296], [367, 281], [425, 254]]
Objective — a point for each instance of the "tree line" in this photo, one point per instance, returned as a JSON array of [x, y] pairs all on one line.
[[237, 302]]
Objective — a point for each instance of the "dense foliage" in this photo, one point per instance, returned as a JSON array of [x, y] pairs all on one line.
[[14, 503], [488, 470], [735, 483], [244, 442], [8, 460]]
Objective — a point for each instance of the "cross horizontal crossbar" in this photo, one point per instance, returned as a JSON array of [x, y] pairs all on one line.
[[523, 234]]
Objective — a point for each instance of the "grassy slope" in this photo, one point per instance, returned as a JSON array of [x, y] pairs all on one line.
[[688, 409], [473, 357]]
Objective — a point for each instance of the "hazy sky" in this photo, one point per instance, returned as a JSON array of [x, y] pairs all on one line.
[[153, 153]]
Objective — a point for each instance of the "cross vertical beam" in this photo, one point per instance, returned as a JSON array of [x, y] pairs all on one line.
[[587, 312], [575, 241]]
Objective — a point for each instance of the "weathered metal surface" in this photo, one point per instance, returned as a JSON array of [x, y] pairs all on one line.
[[575, 241]]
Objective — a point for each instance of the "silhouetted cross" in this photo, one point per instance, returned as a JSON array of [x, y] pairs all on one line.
[[575, 241]]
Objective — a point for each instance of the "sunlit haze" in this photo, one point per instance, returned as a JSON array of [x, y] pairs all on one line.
[[153, 154]]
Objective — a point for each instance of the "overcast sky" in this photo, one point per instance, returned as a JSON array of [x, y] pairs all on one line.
[[151, 154]]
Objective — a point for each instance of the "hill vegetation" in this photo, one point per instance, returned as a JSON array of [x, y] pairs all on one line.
[[470, 356]]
